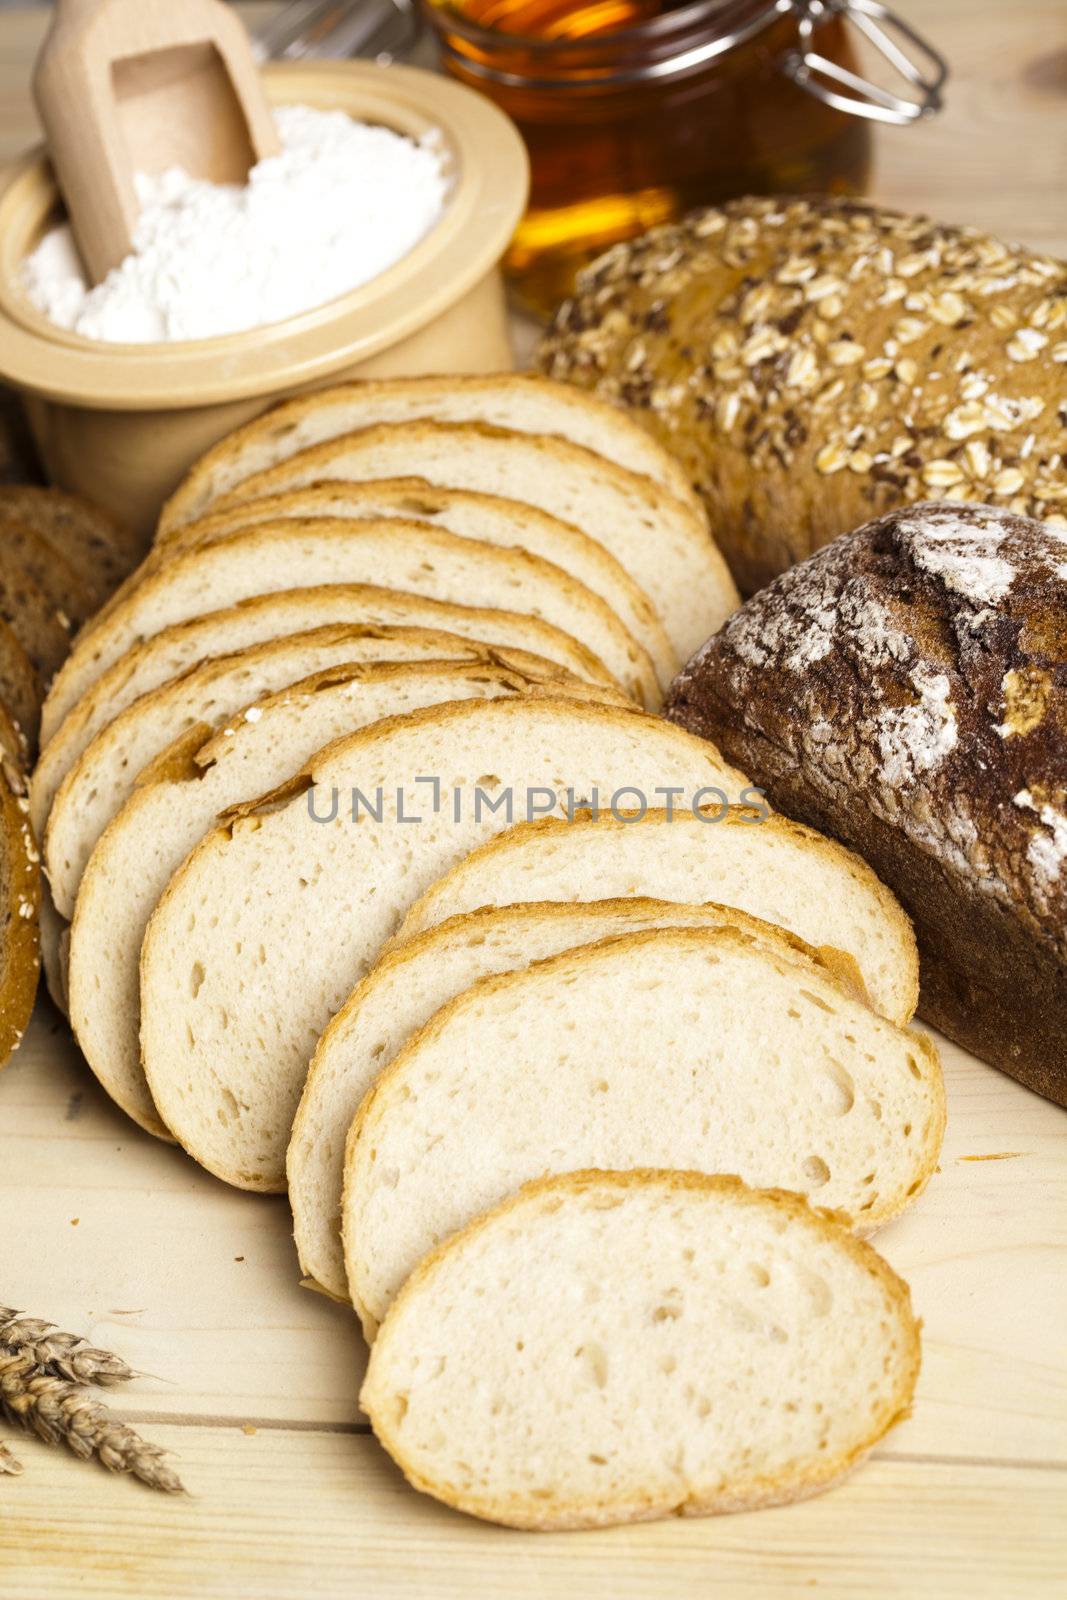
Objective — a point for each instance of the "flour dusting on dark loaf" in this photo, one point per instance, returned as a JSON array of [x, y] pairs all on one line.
[[816, 362], [905, 690]]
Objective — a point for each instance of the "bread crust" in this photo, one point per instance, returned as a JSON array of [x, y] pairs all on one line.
[[89, 540], [63, 845], [747, 1495], [20, 686], [42, 631], [889, 693], [476, 925], [186, 760], [816, 362], [208, 856], [736, 816], [209, 478], [74, 596], [459, 511], [295, 610], [123, 626], [20, 891], [664, 543]]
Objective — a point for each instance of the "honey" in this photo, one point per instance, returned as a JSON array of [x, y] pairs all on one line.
[[632, 115]]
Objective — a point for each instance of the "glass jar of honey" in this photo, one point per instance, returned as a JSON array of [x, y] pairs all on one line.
[[635, 111]]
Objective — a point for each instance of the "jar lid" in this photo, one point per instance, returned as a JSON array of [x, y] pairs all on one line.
[[681, 41]]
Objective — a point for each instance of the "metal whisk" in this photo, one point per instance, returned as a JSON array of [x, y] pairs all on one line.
[[373, 28]]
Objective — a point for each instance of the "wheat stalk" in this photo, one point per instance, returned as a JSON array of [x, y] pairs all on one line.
[[8, 1464], [59, 1355], [61, 1412]]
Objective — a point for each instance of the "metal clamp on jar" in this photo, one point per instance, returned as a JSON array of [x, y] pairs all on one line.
[[635, 111]]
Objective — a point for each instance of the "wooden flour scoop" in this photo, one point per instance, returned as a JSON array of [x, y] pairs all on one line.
[[126, 86]]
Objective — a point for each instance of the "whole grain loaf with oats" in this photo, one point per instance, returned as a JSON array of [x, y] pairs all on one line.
[[905, 690], [816, 362]]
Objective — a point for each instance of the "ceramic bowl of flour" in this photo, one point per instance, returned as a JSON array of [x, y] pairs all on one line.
[[121, 422]]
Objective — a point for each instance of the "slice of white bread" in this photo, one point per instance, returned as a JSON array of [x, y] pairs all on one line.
[[711, 1049], [399, 996], [616, 1347], [178, 798], [55, 950], [664, 544], [20, 888], [274, 918], [525, 403], [71, 722], [484, 517], [102, 779], [407, 556], [772, 867]]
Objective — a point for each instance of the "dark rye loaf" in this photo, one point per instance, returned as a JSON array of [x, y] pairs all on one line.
[[817, 362], [905, 690]]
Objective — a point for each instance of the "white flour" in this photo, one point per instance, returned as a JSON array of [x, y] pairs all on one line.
[[341, 203], [963, 555]]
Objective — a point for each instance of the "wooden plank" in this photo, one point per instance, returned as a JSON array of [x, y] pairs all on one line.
[[228, 1332], [110, 1232], [279, 1515], [997, 156]]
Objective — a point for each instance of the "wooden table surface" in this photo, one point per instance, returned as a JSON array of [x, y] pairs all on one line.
[[254, 1380]]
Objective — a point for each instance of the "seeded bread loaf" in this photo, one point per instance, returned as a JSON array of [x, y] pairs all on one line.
[[86, 538], [20, 885], [12, 741], [278, 913], [614, 1347], [400, 995], [906, 690], [20, 687], [81, 703], [664, 543], [37, 623], [523, 402], [178, 798], [815, 362], [71, 593]]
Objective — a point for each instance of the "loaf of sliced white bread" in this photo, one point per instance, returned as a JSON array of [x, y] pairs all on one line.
[[482, 517], [178, 797], [414, 979], [664, 545], [775, 868], [405, 556], [615, 1347], [524, 403], [102, 779], [718, 1049], [278, 913], [69, 724]]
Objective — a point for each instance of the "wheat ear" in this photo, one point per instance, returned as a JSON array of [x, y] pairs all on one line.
[[61, 1412], [59, 1355]]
